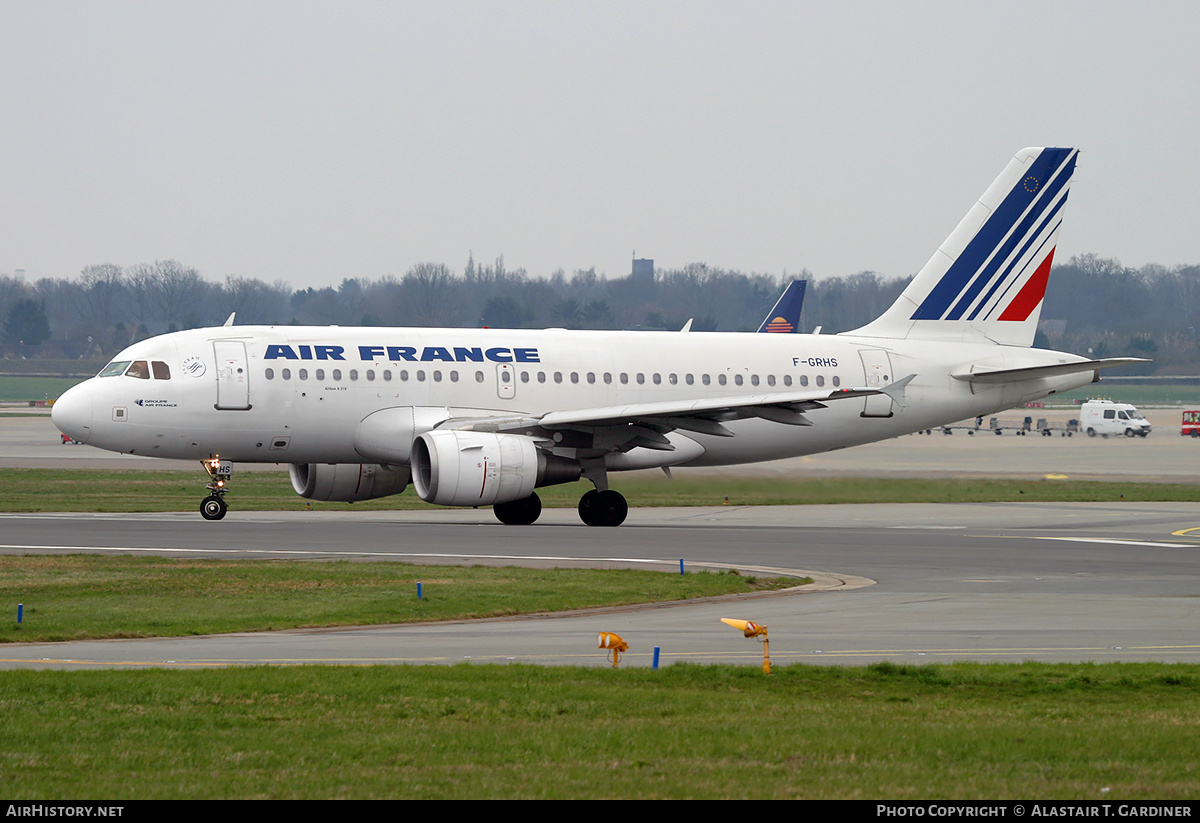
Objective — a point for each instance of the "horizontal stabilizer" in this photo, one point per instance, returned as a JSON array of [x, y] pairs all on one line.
[[1054, 370]]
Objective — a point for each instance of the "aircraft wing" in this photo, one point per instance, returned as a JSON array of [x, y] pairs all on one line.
[[646, 423]]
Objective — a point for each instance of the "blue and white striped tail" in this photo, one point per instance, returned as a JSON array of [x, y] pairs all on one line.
[[987, 281]]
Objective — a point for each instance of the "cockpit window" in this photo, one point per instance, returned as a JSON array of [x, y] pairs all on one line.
[[114, 368], [138, 369], [161, 370]]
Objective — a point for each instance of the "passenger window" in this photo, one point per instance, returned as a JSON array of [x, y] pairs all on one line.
[[478, 377], [337, 374], [1109, 414], [737, 378], [304, 374], [270, 374], [722, 379], [787, 380], [161, 370], [354, 374], [320, 374], [820, 380], [837, 381], [287, 374]]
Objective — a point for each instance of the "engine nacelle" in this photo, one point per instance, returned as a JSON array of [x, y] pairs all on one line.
[[466, 468], [347, 482]]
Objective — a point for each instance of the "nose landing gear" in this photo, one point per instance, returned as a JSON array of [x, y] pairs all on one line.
[[219, 471]]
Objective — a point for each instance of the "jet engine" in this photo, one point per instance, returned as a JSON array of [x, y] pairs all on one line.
[[466, 468], [347, 482]]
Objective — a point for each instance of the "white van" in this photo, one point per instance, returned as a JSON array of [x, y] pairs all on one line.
[[1104, 417]]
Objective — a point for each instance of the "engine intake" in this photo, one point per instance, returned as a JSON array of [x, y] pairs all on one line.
[[465, 468]]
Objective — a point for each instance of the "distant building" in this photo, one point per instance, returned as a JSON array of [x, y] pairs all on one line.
[[643, 269]]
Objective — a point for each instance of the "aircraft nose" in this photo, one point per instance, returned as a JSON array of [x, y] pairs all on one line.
[[72, 413]]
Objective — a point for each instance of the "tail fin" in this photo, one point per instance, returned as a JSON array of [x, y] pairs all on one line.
[[785, 316], [987, 280]]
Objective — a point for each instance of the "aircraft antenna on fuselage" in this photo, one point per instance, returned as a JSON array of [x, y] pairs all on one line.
[[229, 320]]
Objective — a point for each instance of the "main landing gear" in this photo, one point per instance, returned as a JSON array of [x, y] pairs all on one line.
[[603, 508], [219, 471], [599, 507]]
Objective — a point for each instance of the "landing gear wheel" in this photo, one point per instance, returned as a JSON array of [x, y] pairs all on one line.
[[521, 512], [603, 508], [213, 508]]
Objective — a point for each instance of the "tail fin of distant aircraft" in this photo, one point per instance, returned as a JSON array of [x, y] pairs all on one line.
[[987, 280], [785, 316]]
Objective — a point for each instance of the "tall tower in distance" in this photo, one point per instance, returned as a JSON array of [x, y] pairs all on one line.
[[643, 270]]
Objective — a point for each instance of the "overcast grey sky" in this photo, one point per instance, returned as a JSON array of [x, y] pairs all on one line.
[[311, 141]]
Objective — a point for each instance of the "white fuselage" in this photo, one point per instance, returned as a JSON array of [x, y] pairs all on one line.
[[284, 394]]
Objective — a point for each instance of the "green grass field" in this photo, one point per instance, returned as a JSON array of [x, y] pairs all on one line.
[[75, 597], [1110, 732], [51, 490], [1139, 394], [14, 389]]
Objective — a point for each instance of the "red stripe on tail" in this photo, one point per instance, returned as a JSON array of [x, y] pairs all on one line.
[[1031, 294]]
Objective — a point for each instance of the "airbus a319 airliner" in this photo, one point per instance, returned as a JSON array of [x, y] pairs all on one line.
[[483, 417]]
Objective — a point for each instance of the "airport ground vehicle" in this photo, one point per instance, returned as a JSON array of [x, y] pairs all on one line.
[[1191, 423], [1104, 417]]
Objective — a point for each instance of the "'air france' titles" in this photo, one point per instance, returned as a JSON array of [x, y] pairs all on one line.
[[412, 354]]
